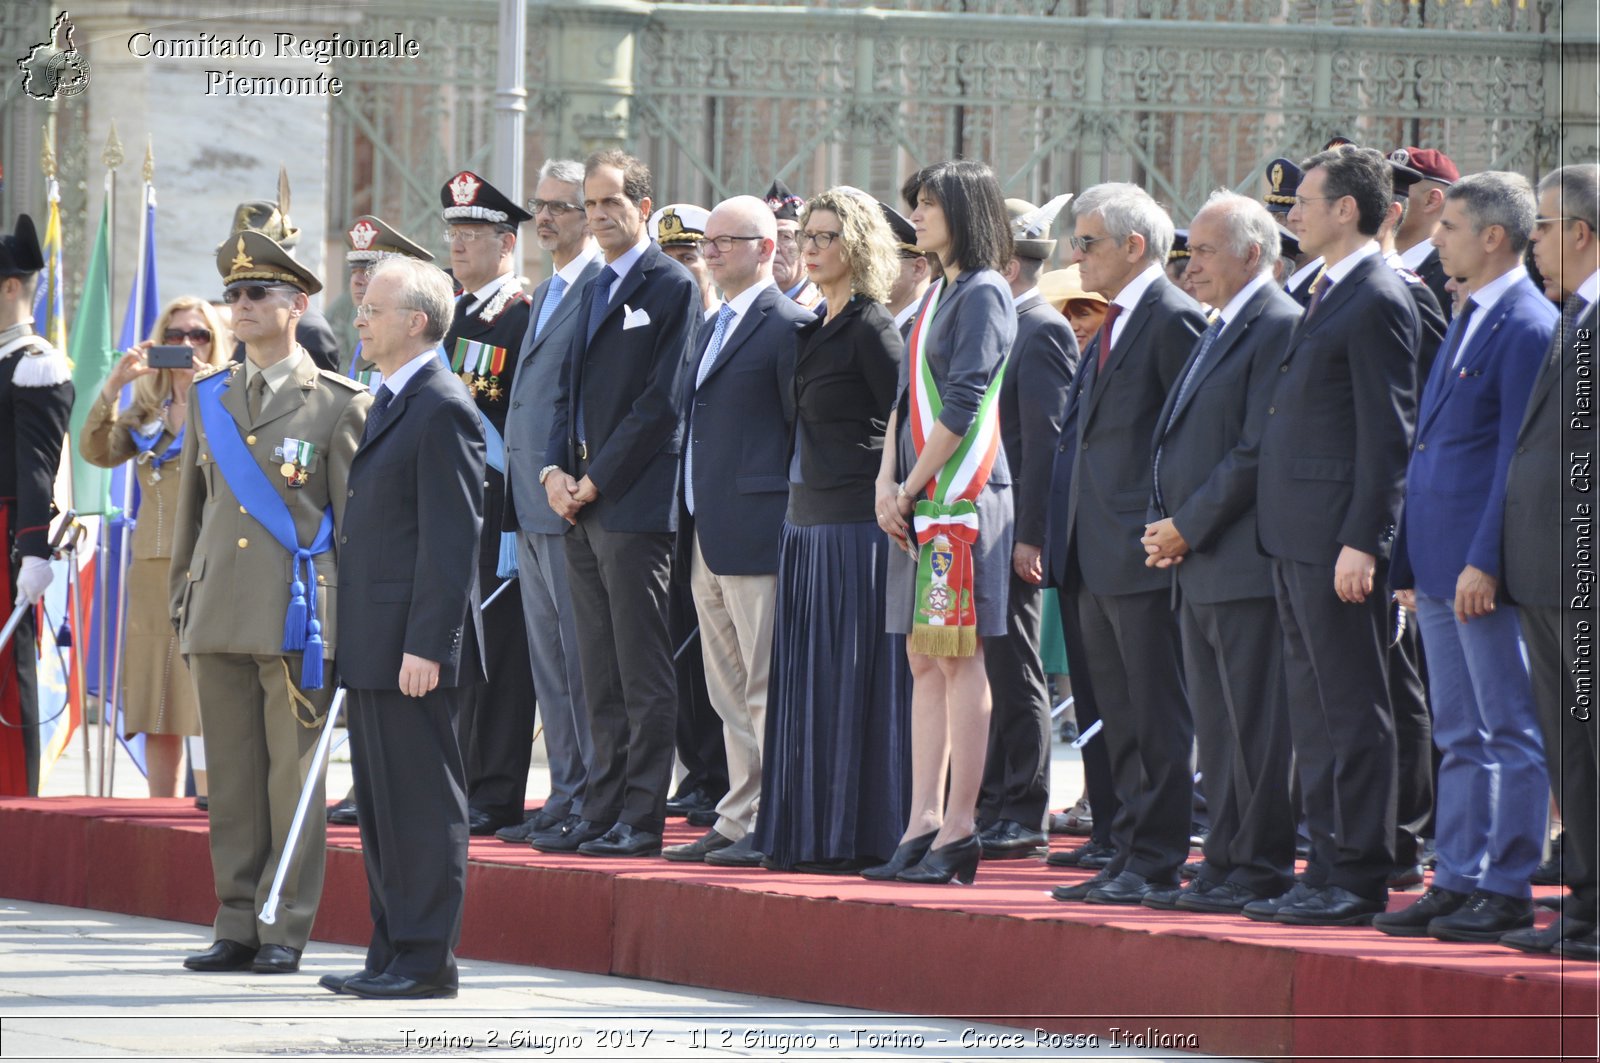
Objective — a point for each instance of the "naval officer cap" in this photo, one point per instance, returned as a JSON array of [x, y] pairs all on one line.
[[466, 197], [679, 223], [252, 257]]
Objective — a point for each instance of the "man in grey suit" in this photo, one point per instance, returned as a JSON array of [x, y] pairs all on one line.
[[1203, 520], [1121, 239], [562, 230], [1550, 499]]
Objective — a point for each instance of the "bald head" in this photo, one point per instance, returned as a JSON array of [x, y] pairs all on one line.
[[746, 261]]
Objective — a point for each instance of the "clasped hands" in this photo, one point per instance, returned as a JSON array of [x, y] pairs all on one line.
[[893, 509], [567, 496], [1164, 545]]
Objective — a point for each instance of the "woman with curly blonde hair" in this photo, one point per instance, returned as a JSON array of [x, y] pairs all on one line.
[[836, 759], [158, 698]]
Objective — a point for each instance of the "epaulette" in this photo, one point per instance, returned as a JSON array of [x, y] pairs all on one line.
[[41, 366], [341, 380], [213, 370], [510, 292]]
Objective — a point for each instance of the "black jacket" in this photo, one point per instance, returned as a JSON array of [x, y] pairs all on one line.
[[1033, 405]]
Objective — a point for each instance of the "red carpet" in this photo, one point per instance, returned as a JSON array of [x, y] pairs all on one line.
[[1001, 950]]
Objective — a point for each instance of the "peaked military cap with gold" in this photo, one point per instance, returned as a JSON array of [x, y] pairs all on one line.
[[20, 254], [1283, 181], [372, 239], [905, 234], [679, 223], [249, 255], [466, 197], [1030, 226], [1180, 245]]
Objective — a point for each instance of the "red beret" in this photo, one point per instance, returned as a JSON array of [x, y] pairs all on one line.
[[1433, 165]]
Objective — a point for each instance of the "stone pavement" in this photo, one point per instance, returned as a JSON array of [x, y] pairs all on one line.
[[80, 984]]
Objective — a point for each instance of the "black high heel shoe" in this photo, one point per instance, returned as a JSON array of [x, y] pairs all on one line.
[[957, 861], [905, 856]]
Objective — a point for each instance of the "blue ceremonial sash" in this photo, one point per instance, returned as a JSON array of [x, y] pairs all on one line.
[[302, 631], [146, 443]]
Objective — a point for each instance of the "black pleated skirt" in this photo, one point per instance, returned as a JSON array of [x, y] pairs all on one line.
[[836, 770]]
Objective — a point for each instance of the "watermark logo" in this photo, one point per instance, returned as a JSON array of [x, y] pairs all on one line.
[[55, 67]]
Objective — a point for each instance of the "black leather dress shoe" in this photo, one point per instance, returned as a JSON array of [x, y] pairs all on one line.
[[223, 955], [623, 840], [203, 803], [343, 814], [394, 987], [1006, 839], [276, 959], [1265, 910], [1166, 898], [481, 824], [742, 853], [1127, 888], [537, 823], [696, 851], [1091, 855], [334, 983], [566, 838], [1331, 906], [1227, 898], [1484, 916], [698, 799], [703, 817], [1584, 947], [1081, 890], [1548, 873], [1412, 921], [1531, 940], [1402, 878]]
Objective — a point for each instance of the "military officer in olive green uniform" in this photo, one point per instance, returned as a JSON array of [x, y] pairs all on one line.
[[254, 581]]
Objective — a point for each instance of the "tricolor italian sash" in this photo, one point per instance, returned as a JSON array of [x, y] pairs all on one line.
[[945, 618]]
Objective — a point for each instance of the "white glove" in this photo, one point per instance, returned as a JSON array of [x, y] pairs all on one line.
[[32, 581]]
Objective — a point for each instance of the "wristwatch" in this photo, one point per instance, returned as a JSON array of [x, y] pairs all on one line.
[[545, 472]]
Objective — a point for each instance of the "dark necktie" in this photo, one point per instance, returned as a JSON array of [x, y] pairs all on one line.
[[1105, 335], [256, 395], [600, 298], [1206, 340], [380, 406], [1571, 311], [1458, 334], [1319, 288]]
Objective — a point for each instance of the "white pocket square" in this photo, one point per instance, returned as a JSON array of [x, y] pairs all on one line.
[[633, 318]]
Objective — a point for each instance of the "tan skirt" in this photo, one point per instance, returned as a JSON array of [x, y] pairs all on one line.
[[158, 695]]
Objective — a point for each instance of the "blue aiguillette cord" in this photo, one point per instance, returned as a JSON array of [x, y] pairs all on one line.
[[302, 631]]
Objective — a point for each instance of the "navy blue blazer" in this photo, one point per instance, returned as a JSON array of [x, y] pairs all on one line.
[[1108, 495], [1466, 433], [1033, 405], [1333, 452], [739, 423], [413, 519], [629, 380], [1206, 478]]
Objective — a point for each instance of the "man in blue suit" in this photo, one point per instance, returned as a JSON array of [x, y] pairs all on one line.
[[1492, 778], [562, 230], [739, 393], [612, 472]]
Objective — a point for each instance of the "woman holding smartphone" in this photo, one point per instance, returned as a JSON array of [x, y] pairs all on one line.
[[157, 695]]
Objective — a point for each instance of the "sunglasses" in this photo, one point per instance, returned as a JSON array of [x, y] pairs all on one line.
[[178, 335], [255, 292]]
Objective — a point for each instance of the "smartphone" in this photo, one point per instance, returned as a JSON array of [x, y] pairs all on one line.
[[170, 357]]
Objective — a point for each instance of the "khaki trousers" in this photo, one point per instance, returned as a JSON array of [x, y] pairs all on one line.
[[258, 752], [736, 642]]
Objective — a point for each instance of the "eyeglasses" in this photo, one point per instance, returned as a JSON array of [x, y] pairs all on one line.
[[557, 207], [724, 244], [1081, 244], [1545, 223], [819, 239], [1301, 201], [467, 236], [178, 335], [366, 310], [254, 292]]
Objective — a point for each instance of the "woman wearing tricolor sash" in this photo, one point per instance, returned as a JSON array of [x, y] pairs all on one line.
[[944, 497], [158, 698]]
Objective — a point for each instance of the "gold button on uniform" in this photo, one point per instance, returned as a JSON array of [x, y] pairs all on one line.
[[243, 543], [244, 511], [251, 440]]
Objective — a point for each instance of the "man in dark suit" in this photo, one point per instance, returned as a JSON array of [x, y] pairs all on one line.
[[1130, 634], [1331, 472], [409, 632], [612, 471], [491, 319], [1204, 524], [1550, 502], [1425, 201], [561, 229], [1015, 794], [739, 393], [1492, 779]]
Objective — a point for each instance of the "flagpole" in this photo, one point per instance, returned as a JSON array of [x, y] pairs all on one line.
[[111, 157]]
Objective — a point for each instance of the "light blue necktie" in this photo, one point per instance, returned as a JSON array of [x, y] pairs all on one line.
[[709, 359], [552, 299]]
